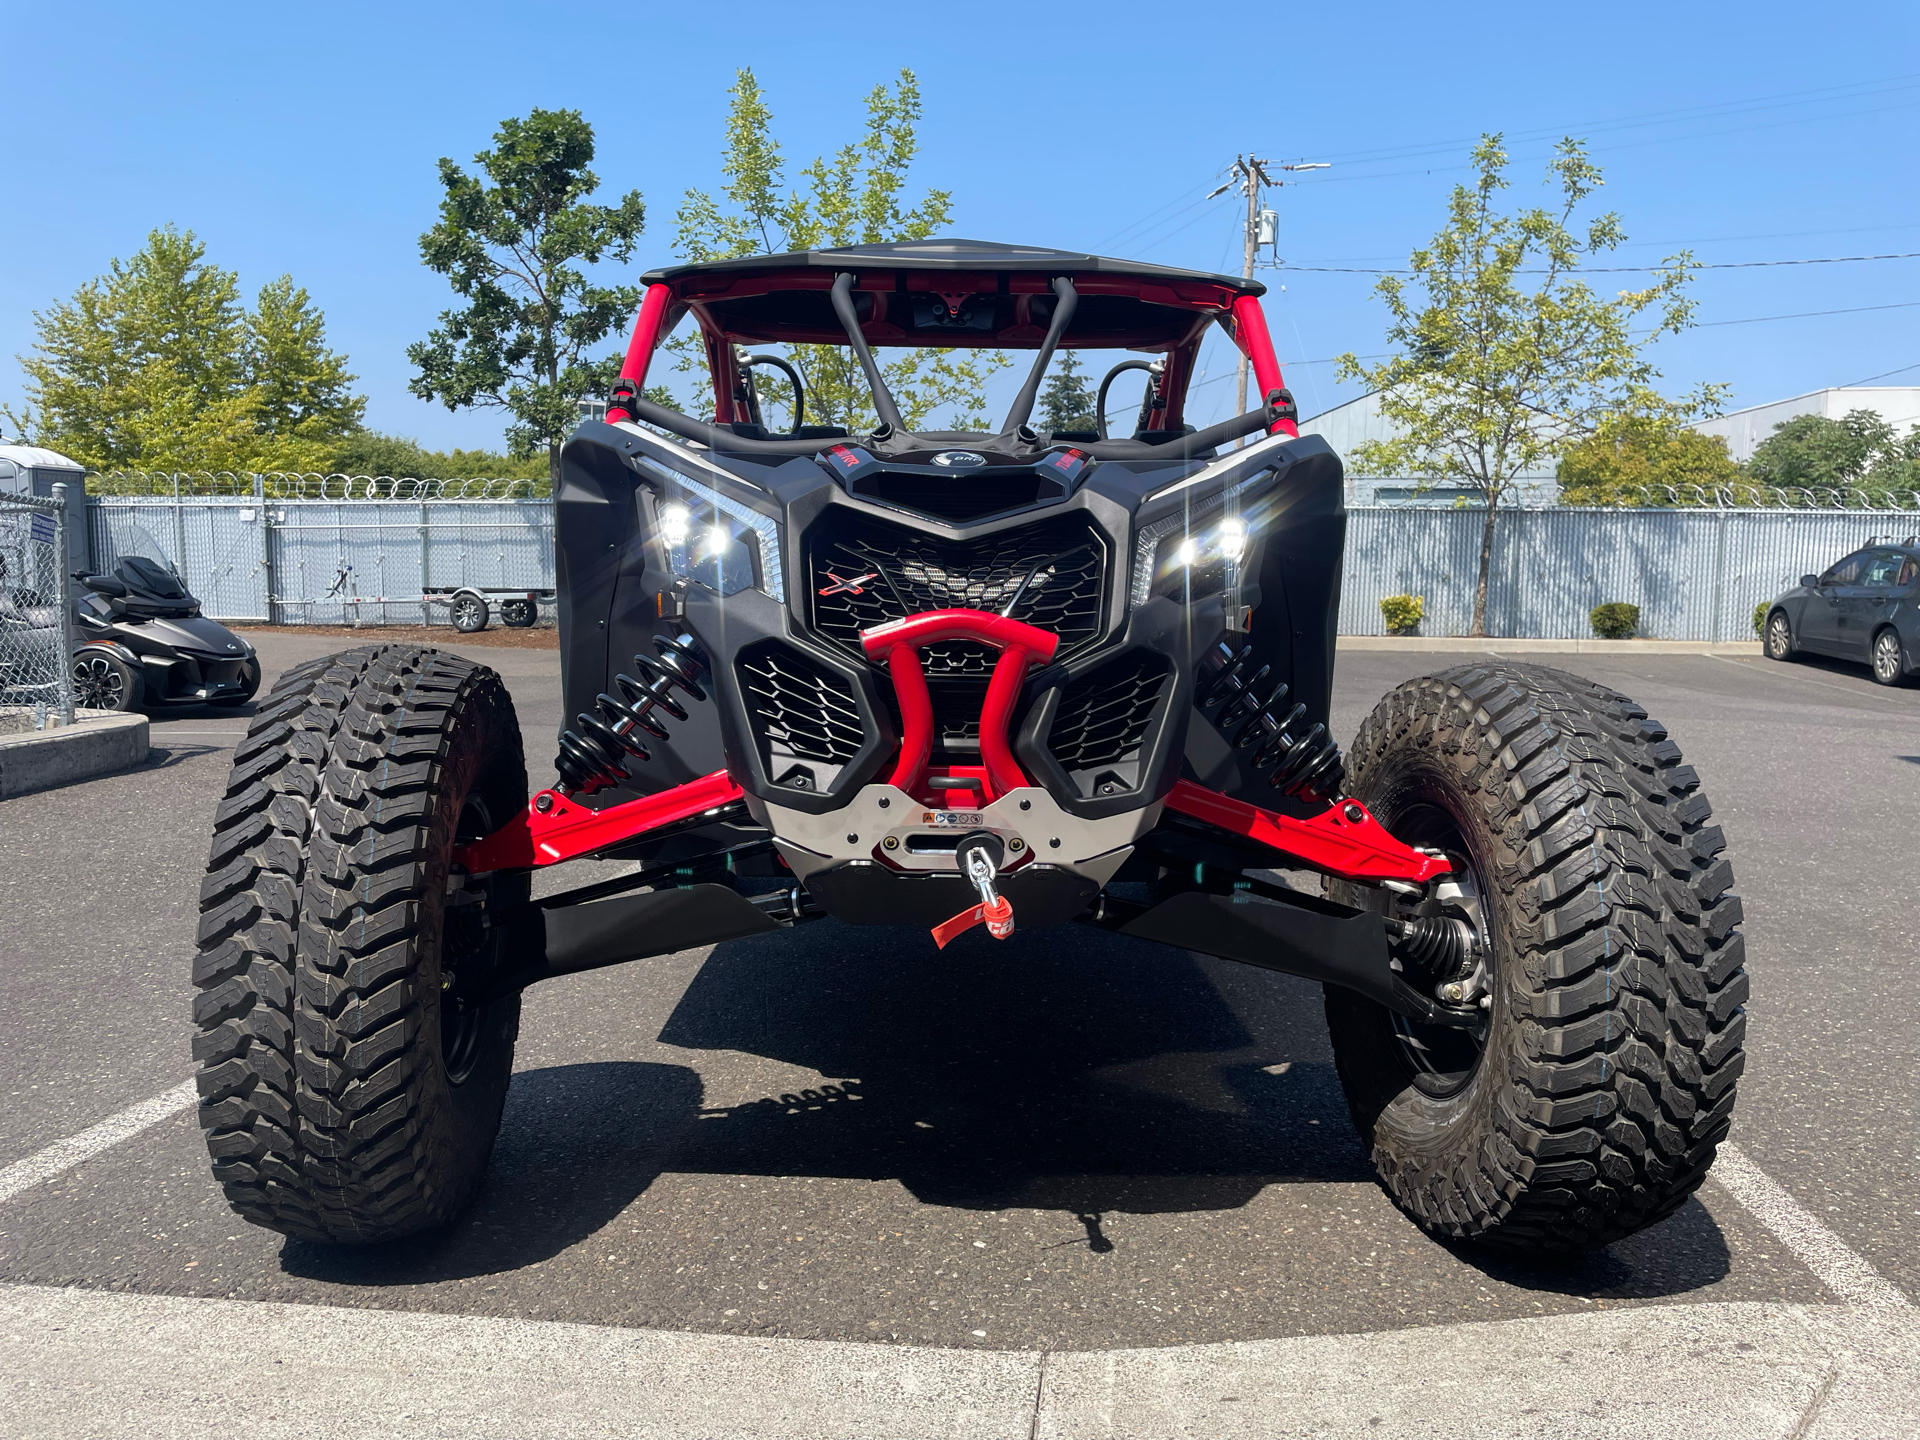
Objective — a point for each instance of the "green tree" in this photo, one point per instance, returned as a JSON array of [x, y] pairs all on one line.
[[854, 198], [1067, 402], [1859, 451], [157, 365], [368, 452], [513, 251], [1507, 356], [1639, 459]]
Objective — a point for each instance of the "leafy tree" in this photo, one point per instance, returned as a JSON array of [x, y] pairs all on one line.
[[1860, 450], [368, 452], [157, 365], [1507, 356], [1067, 402], [855, 198], [1639, 459], [513, 251]]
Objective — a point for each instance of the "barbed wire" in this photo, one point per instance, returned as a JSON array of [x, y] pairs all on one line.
[[1739, 495], [286, 485]]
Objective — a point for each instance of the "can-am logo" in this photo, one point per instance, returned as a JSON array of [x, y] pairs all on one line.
[[959, 460]]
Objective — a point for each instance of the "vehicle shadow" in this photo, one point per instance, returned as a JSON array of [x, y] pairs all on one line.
[[578, 1144], [1063, 1070]]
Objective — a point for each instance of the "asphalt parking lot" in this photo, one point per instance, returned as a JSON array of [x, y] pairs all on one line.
[[1067, 1142]]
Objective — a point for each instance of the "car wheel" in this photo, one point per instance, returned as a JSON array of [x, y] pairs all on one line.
[[518, 614], [1888, 666], [469, 614], [103, 681], [1779, 636]]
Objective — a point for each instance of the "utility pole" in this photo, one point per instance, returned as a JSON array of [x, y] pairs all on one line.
[[1250, 173]]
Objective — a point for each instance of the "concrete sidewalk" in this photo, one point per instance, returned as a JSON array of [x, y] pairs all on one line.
[[86, 1363], [1498, 645]]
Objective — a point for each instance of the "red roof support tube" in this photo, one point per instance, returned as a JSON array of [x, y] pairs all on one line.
[[646, 339], [1250, 331]]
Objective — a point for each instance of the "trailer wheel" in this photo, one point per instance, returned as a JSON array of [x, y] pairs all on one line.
[[470, 614], [518, 614], [345, 1095], [1589, 1101]]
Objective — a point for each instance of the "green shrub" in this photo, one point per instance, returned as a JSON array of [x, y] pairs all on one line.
[[1403, 613], [1760, 617], [1615, 621]]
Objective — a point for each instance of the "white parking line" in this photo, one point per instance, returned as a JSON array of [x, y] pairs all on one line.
[[63, 1155], [1824, 1253], [1782, 673]]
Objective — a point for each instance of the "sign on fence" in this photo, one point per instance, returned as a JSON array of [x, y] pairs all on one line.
[[43, 529]]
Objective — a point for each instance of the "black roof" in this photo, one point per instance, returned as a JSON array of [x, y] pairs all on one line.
[[948, 254]]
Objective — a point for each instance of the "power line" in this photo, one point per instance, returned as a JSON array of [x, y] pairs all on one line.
[[1807, 314], [1621, 269], [1881, 376]]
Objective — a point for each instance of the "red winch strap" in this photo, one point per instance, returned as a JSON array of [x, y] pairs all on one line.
[[998, 920]]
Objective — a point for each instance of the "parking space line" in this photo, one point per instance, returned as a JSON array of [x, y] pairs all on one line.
[[1845, 1273], [63, 1155], [1774, 669]]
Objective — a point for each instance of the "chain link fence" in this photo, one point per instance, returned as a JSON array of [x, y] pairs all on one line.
[[36, 678], [280, 485]]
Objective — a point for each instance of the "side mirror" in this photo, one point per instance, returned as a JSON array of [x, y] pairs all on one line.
[[1811, 582]]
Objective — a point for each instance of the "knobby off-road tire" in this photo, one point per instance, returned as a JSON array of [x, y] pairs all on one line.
[[344, 1096], [1606, 1070]]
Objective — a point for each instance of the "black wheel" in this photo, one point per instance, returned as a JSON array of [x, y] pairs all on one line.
[[518, 614], [104, 681], [470, 614], [345, 1094], [1889, 666], [1588, 1102], [1780, 644], [249, 684]]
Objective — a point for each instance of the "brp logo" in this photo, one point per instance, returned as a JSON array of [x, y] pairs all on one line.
[[959, 460]]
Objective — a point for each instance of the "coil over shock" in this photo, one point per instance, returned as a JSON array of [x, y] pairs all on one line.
[[1306, 766], [593, 756]]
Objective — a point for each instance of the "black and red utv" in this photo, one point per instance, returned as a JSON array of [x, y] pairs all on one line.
[[943, 680]]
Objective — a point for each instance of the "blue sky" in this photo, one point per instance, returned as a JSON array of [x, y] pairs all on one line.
[[303, 139]]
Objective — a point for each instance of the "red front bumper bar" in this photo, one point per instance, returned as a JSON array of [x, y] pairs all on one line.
[[1344, 841]]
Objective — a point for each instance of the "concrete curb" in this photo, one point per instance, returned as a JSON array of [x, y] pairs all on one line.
[[1497, 645], [99, 743], [77, 1363]]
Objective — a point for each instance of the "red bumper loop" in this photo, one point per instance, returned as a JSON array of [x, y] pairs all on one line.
[[1019, 644]]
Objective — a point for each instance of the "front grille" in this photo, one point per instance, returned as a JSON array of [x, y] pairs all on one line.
[[800, 710], [1104, 715], [901, 571]]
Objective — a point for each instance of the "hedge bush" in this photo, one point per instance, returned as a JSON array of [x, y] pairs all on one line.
[[1403, 613], [1760, 617], [1615, 621]]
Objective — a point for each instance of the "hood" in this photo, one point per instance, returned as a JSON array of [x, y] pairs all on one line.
[[197, 635]]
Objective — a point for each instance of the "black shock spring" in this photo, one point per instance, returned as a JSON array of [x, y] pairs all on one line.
[[1305, 765], [593, 756]]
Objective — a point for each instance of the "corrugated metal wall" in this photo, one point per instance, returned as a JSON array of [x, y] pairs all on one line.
[[330, 562], [1695, 574]]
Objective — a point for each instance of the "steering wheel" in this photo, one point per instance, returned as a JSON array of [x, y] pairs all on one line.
[[747, 362], [1100, 399]]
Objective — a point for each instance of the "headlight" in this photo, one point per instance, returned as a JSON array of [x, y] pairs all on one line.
[[1200, 552], [710, 539]]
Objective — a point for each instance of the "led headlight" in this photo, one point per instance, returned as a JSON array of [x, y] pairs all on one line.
[[711, 539], [1199, 552]]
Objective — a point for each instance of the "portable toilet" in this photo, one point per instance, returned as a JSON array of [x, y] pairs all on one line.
[[29, 470]]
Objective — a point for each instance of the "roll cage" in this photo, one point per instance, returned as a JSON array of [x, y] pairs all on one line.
[[950, 294]]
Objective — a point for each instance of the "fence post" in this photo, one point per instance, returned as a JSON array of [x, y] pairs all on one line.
[[426, 540], [1719, 575], [63, 598]]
